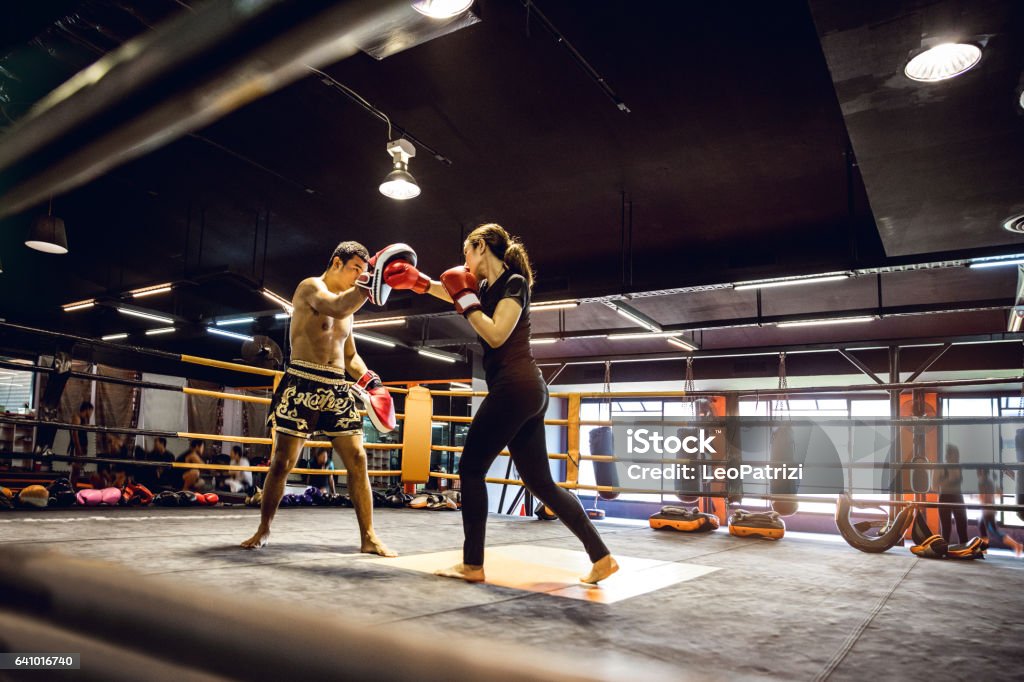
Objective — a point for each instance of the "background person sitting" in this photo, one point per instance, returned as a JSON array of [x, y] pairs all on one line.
[[238, 481], [158, 479], [191, 479], [110, 475], [988, 527], [322, 460]]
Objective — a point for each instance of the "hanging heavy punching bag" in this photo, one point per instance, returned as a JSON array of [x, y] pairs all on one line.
[[920, 481], [1019, 441], [688, 490], [786, 452], [605, 473]]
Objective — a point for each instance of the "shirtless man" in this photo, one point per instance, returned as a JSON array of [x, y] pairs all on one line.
[[314, 397], [192, 478]]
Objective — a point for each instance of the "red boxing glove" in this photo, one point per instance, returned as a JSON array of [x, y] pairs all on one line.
[[404, 275], [461, 285], [380, 408]]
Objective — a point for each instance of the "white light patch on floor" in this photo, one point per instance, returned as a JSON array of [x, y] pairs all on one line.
[[556, 572]]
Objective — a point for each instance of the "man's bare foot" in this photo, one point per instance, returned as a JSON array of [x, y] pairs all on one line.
[[467, 572], [602, 568], [373, 545], [258, 540]]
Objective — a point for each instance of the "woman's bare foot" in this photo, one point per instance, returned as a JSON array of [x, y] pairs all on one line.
[[373, 545], [467, 572], [602, 568], [258, 540]]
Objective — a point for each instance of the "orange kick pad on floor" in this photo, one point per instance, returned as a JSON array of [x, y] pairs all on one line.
[[557, 571]]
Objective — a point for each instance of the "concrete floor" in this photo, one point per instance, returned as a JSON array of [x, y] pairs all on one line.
[[807, 607]]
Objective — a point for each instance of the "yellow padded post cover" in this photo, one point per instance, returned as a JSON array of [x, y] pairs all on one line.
[[419, 414]]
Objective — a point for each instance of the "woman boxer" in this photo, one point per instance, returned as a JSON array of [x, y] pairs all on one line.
[[513, 412]]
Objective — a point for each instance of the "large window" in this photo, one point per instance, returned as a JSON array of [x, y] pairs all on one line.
[[603, 410], [979, 444], [16, 390], [794, 408], [848, 442]]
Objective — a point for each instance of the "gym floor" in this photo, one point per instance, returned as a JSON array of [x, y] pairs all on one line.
[[806, 607]]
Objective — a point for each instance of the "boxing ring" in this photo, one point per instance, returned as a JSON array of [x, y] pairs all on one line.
[[419, 418], [184, 588]]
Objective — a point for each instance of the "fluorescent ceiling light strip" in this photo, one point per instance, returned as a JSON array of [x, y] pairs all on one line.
[[383, 322], [836, 320], [114, 337], [278, 299], [282, 316], [685, 345], [543, 342], [554, 305], [149, 291], [460, 386], [995, 263], [636, 320], [161, 330], [145, 316], [573, 363], [78, 305], [230, 335], [237, 320], [790, 281], [375, 339], [152, 292], [434, 355], [981, 343], [641, 335]]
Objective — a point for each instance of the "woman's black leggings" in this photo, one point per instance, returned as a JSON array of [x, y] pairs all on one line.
[[513, 414], [947, 515]]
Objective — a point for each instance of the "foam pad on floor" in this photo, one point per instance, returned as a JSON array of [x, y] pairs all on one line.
[[557, 571]]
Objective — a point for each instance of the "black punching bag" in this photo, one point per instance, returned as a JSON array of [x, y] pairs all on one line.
[[1020, 473], [688, 490], [605, 473], [785, 448]]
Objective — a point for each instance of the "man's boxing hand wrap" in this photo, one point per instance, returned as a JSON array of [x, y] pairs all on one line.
[[402, 275], [380, 408], [377, 290], [461, 285]]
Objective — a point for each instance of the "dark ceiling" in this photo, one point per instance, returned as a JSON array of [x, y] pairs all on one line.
[[762, 140]]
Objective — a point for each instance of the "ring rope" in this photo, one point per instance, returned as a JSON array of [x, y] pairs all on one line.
[[264, 469], [234, 366], [188, 465], [225, 396], [759, 496]]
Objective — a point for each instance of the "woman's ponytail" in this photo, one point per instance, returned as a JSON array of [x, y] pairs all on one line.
[[504, 247]]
